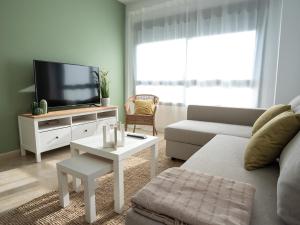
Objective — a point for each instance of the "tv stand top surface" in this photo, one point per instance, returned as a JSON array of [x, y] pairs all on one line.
[[68, 112]]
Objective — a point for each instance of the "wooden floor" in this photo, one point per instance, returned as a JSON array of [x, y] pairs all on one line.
[[22, 179]]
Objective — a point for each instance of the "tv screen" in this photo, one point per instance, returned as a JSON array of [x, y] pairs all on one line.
[[62, 84]]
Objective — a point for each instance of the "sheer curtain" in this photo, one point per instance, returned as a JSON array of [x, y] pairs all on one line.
[[196, 52]]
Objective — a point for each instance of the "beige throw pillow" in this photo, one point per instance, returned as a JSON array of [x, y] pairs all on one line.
[[268, 115], [267, 143]]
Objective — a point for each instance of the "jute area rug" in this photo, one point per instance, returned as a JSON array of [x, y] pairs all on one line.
[[47, 210]]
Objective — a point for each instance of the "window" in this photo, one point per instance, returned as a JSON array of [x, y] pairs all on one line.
[[207, 70]]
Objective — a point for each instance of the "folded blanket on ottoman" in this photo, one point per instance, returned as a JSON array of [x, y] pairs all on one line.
[[180, 196]]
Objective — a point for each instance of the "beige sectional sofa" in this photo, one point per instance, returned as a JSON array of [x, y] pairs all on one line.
[[213, 140]]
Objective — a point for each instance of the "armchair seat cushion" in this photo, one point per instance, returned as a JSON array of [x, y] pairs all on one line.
[[200, 132]]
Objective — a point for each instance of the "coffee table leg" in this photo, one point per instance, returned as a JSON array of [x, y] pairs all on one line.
[[154, 156], [118, 186], [76, 181]]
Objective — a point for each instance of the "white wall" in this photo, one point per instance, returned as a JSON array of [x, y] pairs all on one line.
[[288, 73]]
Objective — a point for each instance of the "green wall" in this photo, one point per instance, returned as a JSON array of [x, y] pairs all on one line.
[[89, 32]]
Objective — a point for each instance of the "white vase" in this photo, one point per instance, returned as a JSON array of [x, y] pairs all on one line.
[[105, 101], [113, 135]]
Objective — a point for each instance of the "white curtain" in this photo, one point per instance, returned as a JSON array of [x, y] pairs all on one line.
[[196, 52]]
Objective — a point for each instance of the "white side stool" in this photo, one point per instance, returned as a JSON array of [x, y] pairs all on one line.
[[86, 167]]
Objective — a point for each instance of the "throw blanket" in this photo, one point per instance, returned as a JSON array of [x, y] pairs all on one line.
[[180, 196]]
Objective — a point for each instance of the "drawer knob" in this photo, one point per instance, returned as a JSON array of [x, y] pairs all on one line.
[[85, 130], [56, 137]]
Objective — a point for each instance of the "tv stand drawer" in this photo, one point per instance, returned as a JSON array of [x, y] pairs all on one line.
[[55, 138], [83, 130]]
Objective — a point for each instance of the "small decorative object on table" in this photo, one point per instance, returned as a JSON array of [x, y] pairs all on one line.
[[38, 109], [114, 135], [105, 100], [34, 106], [44, 106]]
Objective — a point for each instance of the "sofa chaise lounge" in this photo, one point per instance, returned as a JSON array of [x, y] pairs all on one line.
[[213, 141], [203, 123]]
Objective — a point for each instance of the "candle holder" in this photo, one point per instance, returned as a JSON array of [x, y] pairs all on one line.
[[114, 135]]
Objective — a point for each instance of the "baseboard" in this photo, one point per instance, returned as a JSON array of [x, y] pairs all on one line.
[[10, 154]]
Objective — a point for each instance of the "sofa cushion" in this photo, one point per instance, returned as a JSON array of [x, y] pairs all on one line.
[[288, 187], [200, 132], [269, 114], [223, 156], [268, 142], [220, 114], [297, 109], [295, 102]]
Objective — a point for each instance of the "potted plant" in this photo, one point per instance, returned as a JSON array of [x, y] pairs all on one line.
[[104, 88]]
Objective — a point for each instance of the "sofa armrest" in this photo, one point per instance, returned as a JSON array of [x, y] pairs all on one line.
[[239, 116]]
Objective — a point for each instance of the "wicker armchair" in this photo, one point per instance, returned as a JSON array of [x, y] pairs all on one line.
[[137, 119]]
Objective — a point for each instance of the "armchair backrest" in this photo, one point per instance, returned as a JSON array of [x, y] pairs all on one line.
[[129, 105]]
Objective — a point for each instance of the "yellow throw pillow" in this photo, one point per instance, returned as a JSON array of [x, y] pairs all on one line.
[[144, 107], [267, 143], [268, 115]]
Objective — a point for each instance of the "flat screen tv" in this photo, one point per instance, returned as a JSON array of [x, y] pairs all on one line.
[[63, 84]]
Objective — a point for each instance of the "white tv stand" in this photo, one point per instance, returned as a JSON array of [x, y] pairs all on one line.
[[56, 129]]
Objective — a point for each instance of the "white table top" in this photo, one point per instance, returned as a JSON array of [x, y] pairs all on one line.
[[94, 145]]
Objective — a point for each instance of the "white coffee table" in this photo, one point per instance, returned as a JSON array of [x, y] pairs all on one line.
[[93, 145]]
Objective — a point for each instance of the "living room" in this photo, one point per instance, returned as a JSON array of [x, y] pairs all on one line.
[[149, 112]]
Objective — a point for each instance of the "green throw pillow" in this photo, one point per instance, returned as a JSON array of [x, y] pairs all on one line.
[[267, 143], [268, 115]]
